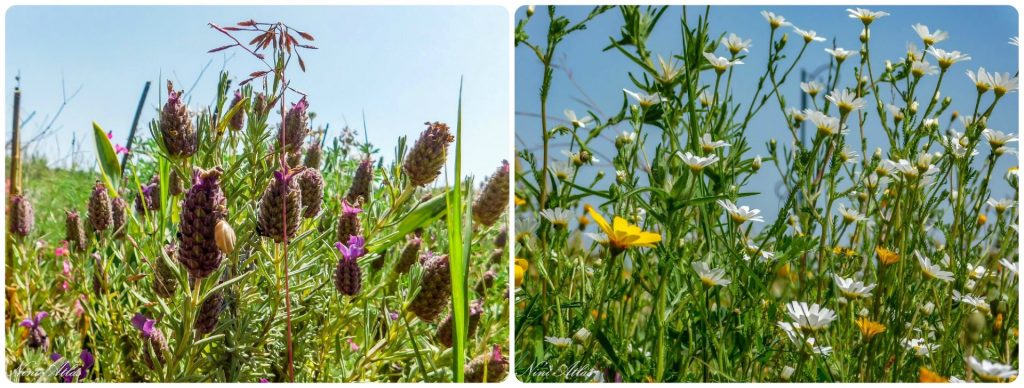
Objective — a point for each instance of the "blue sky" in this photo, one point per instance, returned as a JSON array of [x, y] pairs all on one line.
[[400, 64], [981, 32]]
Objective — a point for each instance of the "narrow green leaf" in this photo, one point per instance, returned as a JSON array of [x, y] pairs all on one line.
[[109, 166]]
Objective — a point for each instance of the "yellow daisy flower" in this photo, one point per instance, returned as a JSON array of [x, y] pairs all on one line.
[[869, 328], [927, 376], [621, 234], [886, 256]]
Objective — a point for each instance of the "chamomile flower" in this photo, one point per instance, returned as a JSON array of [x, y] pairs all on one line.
[[919, 346], [851, 215], [558, 217], [947, 58], [846, 101], [577, 122], [826, 125], [580, 158], [976, 301], [895, 111], [848, 155], [812, 88], [706, 98], [998, 139], [1003, 83], [982, 80], [775, 21], [866, 16], [708, 145], [809, 36], [956, 145], [735, 44], [932, 271], [796, 114], [810, 318], [669, 70], [922, 68], [525, 226], [645, 100], [991, 371], [620, 235], [581, 335], [853, 289], [697, 163], [976, 271], [708, 276], [929, 38], [561, 170], [721, 64], [627, 137], [558, 342], [740, 214], [1000, 205], [840, 54], [752, 249]]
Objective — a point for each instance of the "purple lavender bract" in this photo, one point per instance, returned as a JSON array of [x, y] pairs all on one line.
[[204, 205], [179, 136], [279, 208], [22, 217]]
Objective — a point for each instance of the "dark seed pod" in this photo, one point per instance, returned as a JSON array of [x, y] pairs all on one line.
[[348, 223], [361, 183], [149, 199], [379, 261], [502, 238], [311, 183], [164, 282], [314, 154], [486, 282], [409, 254], [259, 107], [74, 230], [295, 127], [100, 215], [424, 162], [498, 256], [22, 217], [175, 182], [179, 136], [445, 329], [118, 216], [281, 199], [435, 288], [492, 202], [209, 313], [348, 278], [204, 205], [495, 364], [238, 120]]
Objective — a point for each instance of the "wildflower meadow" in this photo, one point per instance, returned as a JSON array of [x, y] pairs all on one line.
[[239, 242], [644, 254]]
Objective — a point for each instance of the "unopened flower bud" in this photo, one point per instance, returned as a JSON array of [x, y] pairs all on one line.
[[225, 237]]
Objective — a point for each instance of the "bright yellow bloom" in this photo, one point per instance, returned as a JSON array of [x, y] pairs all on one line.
[[998, 324], [869, 328], [622, 235], [886, 256], [982, 219], [520, 271], [927, 376], [583, 221], [520, 201], [522, 263]]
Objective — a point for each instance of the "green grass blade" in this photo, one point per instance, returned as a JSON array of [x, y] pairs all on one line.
[[456, 257]]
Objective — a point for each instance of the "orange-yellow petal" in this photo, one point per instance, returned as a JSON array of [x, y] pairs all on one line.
[[601, 222]]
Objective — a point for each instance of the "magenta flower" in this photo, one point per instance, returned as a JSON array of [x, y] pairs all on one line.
[[349, 210], [33, 323], [355, 248], [144, 325], [352, 345], [120, 149], [110, 135], [62, 250], [264, 380]]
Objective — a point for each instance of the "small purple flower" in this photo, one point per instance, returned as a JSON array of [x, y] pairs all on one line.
[[349, 210], [33, 323], [393, 315], [144, 325], [87, 363], [264, 380], [355, 248], [352, 345]]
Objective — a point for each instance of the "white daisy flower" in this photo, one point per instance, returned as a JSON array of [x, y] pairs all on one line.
[[525, 225], [931, 270], [1009, 265], [982, 80], [1003, 83], [976, 271], [810, 318], [669, 69], [866, 16], [697, 163], [956, 144], [853, 289], [846, 101], [848, 155], [735, 44], [795, 114], [976, 301], [627, 137], [774, 20], [582, 335], [645, 100], [826, 125], [708, 145], [947, 58], [721, 64], [998, 139], [809, 36], [991, 371], [561, 170], [840, 53], [895, 111], [558, 217], [922, 68], [577, 122], [1015, 41], [929, 38], [740, 214], [559, 342], [851, 215], [812, 88], [710, 277], [919, 346], [752, 249]]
